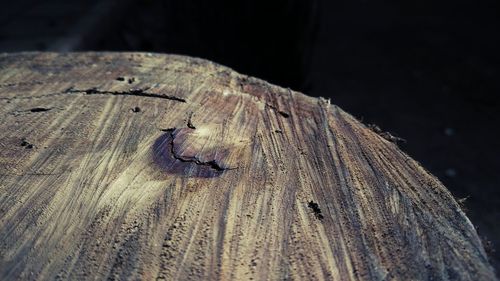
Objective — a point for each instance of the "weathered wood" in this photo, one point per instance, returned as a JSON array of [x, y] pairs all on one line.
[[142, 166]]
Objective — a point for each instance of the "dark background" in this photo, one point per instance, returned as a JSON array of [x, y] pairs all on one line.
[[426, 71]]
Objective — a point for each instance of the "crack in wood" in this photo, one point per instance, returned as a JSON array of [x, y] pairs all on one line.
[[32, 110], [189, 122], [212, 163], [316, 210], [95, 91], [131, 92]]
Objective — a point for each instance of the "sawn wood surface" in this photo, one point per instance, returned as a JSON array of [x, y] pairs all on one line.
[[161, 167]]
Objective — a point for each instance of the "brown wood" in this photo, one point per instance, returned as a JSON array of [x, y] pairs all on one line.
[[143, 166]]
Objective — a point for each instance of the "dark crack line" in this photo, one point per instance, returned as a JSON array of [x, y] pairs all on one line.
[[212, 164], [316, 210], [133, 92], [190, 123], [94, 91], [28, 111]]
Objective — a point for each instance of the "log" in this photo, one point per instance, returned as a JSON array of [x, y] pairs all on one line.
[[148, 166]]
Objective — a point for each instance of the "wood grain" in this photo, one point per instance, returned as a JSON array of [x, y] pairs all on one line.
[[148, 166]]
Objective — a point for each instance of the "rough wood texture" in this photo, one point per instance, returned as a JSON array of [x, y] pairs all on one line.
[[141, 166]]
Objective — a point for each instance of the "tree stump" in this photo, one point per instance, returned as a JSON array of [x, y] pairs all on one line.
[[147, 166]]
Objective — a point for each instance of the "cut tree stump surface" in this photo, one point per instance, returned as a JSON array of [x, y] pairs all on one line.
[[148, 166]]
